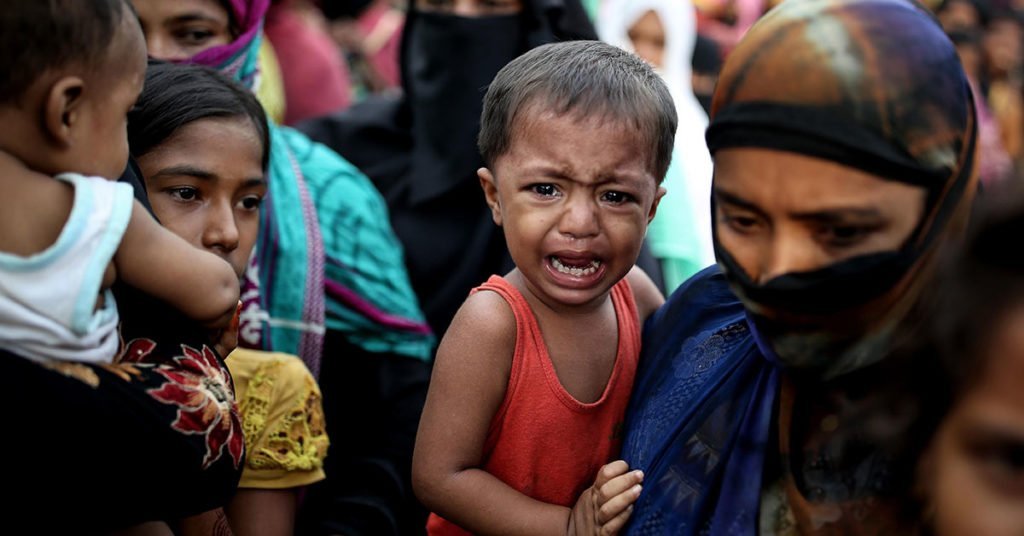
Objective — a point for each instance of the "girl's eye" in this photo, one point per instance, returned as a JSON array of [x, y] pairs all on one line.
[[1004, 465], [184, 193], [546, 190], [616, 198], [252, 202]]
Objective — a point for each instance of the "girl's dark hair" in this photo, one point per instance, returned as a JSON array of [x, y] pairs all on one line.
[[977, 286], [176, 95]]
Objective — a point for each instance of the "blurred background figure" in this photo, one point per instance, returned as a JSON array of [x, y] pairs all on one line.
[[369, 33], [707, 61], [994, 163], [963, 15], [315, 75], [725, 21], [972, 475], [420, 148], [1003, 46], [663, 32]]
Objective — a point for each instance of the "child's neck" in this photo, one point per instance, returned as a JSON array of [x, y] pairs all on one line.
[[543, 305], [34, 209], [12, 168], [582, 341]]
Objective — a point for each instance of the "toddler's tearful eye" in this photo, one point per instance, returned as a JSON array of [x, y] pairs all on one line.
[[544, 189], [616, 198]]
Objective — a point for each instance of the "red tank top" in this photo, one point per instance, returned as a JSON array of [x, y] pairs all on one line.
[[543, 442]]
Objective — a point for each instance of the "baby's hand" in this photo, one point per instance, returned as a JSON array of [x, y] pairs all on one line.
[[225, 340], [604, 508]]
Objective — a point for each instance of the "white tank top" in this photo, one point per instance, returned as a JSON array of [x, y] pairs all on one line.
[[48, 300]]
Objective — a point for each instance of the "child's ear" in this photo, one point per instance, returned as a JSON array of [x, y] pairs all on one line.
[[63, 108], [657, 199], [490, 193]]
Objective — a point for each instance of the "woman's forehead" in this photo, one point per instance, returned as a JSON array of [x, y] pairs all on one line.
[[170, 9], [796, 183]]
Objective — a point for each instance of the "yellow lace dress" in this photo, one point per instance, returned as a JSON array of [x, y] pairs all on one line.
[[282, 419]]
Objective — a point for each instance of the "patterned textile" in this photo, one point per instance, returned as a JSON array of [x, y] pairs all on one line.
[[197, 384], [733, 436], [326, 257], [283, 420]]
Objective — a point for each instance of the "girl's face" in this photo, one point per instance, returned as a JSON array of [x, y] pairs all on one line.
[[648, 37], [974, 471], [206, 184], [180, 29], [778, 213]]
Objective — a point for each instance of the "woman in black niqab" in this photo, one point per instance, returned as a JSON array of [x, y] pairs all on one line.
[[420, 150]]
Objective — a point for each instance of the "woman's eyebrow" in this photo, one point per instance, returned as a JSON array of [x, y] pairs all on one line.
[[190, 171], [735, 200], [193, 16], [838, 214]]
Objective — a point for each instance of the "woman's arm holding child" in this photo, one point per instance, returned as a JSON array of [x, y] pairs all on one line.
[[158, 262], [467, 388]]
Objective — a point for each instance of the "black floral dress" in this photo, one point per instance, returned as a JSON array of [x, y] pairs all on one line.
[[154, 436]]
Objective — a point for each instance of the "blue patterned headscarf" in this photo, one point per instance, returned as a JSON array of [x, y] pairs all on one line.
[[326, 258]]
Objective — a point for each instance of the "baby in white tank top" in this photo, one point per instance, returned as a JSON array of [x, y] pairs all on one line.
[[67, 231]]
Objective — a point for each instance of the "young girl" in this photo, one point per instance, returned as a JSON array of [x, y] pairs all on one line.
[[64, 242], [534, 374], [972, 475], [202, 143]]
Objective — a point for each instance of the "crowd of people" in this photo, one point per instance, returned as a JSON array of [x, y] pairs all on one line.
[[447, 267]]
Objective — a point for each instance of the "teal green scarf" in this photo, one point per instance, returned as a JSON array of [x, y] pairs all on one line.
[[326, 258]]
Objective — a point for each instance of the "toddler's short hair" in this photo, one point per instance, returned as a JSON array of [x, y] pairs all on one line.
[[588, 79], [39, 35]]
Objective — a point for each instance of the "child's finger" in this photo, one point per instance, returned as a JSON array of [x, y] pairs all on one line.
[[618, 504], [610, 471], [614, 525], [618, 485]]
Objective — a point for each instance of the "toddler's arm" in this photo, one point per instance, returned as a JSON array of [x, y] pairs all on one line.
[[158, 262], [467, 388]]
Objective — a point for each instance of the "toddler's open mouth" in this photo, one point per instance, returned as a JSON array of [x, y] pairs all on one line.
[[575, 267]]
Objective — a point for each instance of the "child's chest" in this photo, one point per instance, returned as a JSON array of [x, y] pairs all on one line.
[[583, 353]]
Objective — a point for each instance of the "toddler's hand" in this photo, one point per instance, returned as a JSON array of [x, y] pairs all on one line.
[[225, 340], [604, 508]]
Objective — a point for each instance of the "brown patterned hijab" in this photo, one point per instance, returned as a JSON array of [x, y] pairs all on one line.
[[871, 84]]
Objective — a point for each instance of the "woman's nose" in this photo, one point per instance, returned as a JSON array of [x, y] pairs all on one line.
[[787, 255]]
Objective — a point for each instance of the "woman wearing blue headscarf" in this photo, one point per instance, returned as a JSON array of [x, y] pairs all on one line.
[[768, 399]]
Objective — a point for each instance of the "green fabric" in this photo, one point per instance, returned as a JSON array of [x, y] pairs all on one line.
[[673, 239], [363, 255], [326, 257]]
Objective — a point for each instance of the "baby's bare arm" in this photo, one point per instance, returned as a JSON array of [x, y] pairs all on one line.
[[467, 388], [158, 262]]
